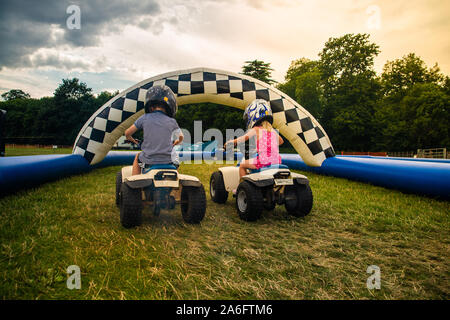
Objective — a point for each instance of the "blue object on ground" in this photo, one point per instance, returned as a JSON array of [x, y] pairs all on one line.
[[28, 171], [273, 166], [420, 176], [159, 166]]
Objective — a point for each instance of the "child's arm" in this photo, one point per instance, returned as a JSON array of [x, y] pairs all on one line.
[[250, 133], [179, 140], [129, 132], [280, 139]]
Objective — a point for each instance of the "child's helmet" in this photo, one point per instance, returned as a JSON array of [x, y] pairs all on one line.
[[256, 112], [161, 96]]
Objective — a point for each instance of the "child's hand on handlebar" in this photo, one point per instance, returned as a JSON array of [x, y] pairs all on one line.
[[228, 143]]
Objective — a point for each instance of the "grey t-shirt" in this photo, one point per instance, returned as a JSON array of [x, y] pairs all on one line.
[[158, 129]]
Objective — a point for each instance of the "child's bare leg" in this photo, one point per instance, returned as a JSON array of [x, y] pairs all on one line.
[[136, 168], [242, 171], [244, 165]]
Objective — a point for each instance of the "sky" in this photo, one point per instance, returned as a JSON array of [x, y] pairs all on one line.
[[115, 44]]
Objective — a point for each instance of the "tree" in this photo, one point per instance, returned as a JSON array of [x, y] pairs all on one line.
[[259, 70], [15, 94], [104, 96], [402, 74], [350, 90], [299, 67], [303, 84], [414, 110], [446, 85], [73, 105], [345, 57], [309, 92], [212, 116], [72, 89], [419, 120]]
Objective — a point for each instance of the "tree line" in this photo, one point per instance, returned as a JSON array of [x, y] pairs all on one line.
[[50, 120], [404, 108]]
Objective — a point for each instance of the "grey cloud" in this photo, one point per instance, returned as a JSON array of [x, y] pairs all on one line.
[[145, 23], [40, 60], [25, 25]]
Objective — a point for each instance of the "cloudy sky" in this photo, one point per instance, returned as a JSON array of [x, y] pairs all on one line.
[[120, 43]]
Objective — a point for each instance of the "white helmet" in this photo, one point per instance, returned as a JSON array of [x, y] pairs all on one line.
[[256, 112]]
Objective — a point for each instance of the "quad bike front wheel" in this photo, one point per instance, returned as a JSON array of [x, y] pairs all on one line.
[[299, 200], [130, 206], [193, 204], [217, 188], [249, 201]]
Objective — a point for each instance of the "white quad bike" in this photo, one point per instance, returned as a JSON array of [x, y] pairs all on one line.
[[263, 189], [162, 187]]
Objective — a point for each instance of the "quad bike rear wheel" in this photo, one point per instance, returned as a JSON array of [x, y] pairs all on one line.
[[193, 204], [299, 200], [118, 186], [130, 206], [269, 200]]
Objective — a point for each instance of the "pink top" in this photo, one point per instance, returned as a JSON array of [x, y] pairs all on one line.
[[267, 148]]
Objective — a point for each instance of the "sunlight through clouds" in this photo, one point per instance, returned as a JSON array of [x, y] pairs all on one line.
[[139, 41]]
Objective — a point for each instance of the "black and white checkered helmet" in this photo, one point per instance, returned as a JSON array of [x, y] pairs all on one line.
[[256, 112], [161, 95]]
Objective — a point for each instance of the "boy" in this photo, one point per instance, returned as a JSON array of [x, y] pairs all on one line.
[[158, 124]]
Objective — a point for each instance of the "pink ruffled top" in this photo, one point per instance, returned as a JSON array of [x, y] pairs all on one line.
[[267, 148]]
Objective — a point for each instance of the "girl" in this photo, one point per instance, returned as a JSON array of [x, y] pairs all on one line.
[[258, 115]]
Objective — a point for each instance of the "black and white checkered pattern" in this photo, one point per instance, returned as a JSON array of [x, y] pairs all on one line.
[[104, 127]]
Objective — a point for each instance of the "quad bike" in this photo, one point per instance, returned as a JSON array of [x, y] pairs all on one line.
[[263, 189], [162, 187]]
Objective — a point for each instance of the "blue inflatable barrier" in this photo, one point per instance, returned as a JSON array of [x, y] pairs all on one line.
[[22, 172], [27, 171], [421, 176], [400, 158], [117, 158], [413, 175]]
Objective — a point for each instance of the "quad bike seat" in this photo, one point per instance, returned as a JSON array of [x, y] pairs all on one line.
[[273, 166], [159, 166]]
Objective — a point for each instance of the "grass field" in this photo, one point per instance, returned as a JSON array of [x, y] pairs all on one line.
[[325, 255], [21, 151]]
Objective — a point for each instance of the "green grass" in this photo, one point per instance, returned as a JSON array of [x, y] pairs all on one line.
[[322, 256], [24, 151]]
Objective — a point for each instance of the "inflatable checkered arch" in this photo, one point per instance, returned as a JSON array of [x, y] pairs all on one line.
[[200, 85]]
